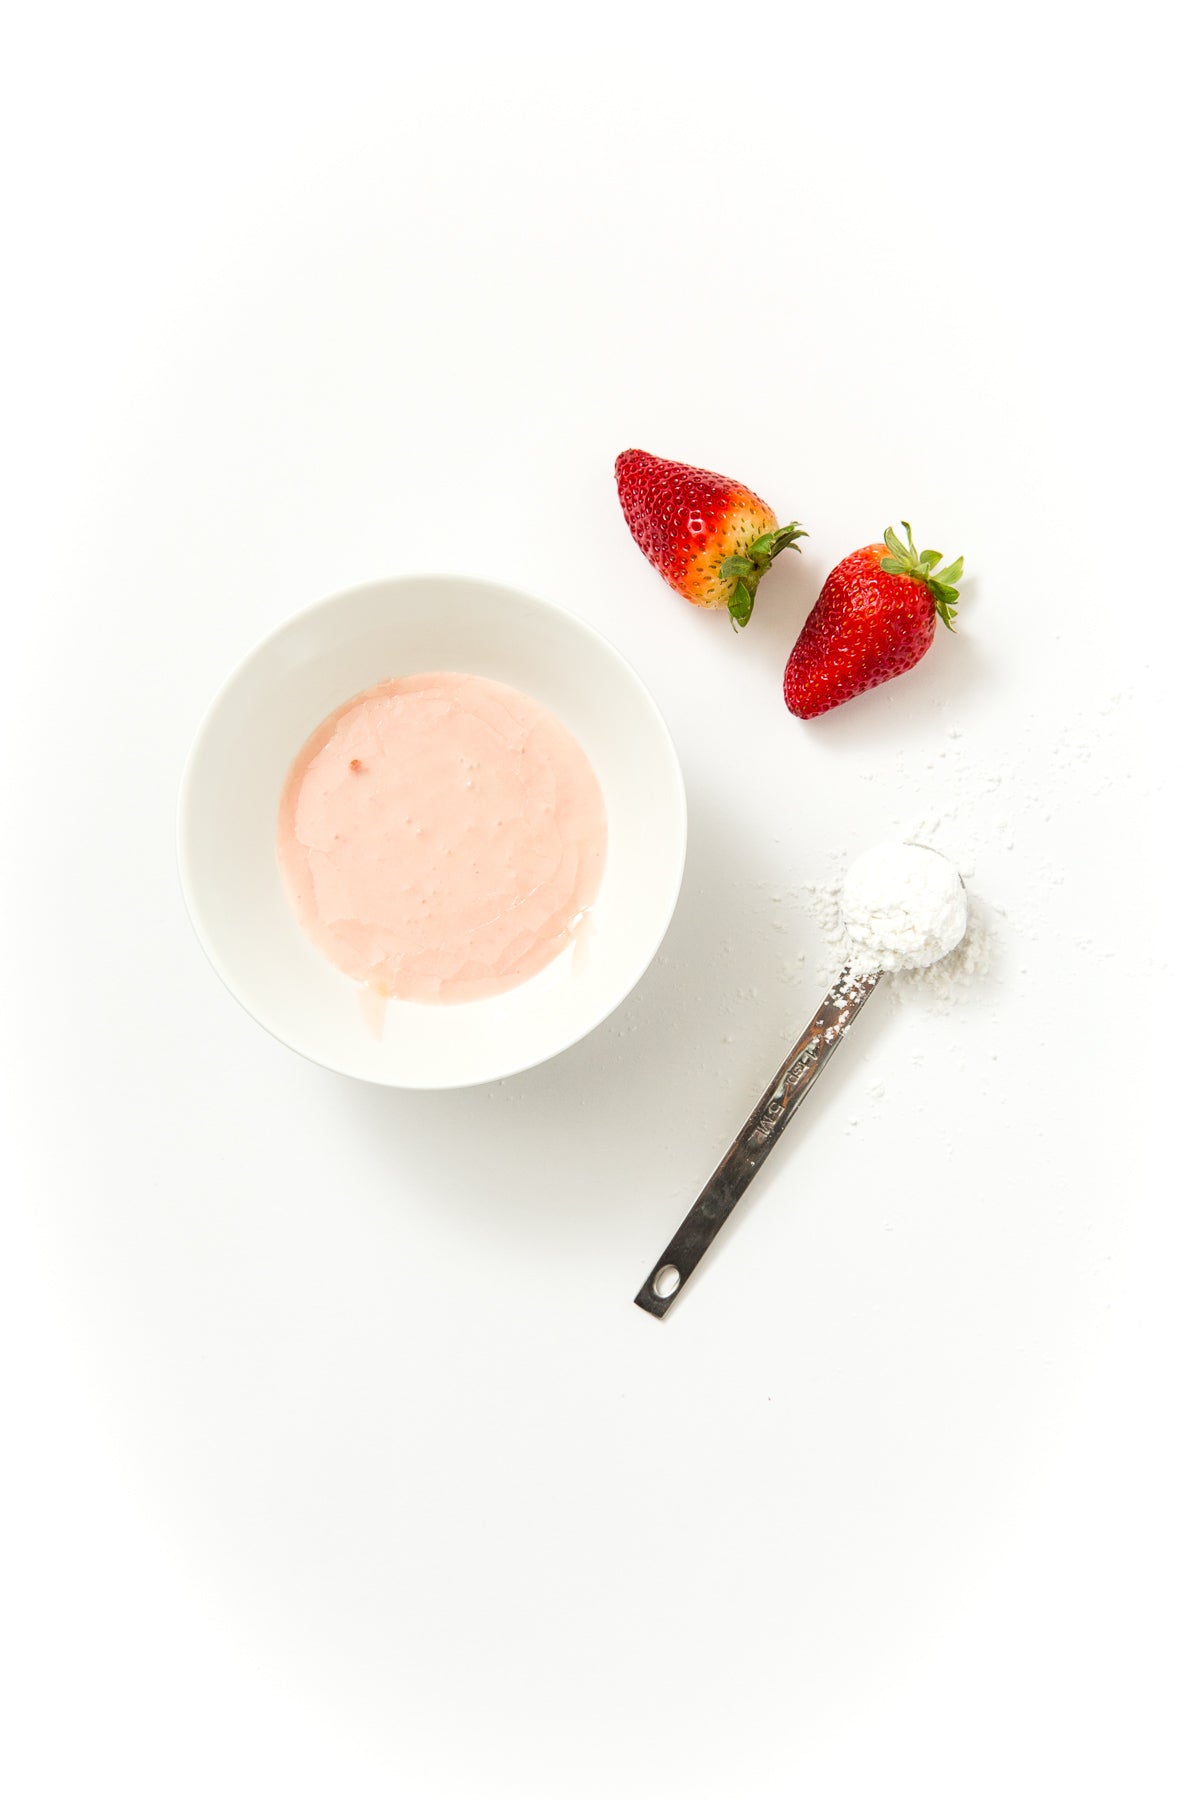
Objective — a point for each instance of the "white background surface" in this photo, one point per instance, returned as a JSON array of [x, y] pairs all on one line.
[[338, 1460]]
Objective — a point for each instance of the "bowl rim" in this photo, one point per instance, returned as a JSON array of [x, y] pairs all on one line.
[[188, 777]]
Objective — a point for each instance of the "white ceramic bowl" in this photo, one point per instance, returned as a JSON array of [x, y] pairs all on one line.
[[263, 715]]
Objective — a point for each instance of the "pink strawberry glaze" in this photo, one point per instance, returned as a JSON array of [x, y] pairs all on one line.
[[441, 836]]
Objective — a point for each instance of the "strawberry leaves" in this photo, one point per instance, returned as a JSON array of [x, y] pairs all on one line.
[[740, 604], [766, 548], [746, 568], [922, 565]]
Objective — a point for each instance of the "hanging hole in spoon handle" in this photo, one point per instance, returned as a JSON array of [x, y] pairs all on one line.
[[755, 1141]]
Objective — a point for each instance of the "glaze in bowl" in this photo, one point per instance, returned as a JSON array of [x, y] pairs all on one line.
[[239, 762]]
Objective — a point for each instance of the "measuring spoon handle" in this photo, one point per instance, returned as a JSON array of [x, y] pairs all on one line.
[[755, 1141]]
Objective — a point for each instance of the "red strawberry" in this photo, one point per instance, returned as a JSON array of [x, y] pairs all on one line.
[[709, 537], [874, 618]]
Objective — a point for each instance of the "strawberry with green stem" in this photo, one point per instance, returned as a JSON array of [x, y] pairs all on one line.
[[709, 537], [875, 618]]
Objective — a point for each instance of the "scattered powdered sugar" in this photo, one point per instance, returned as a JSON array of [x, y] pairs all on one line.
[[1013, 806], [903, 906]]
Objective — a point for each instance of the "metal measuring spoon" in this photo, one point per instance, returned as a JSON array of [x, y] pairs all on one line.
[[755, 1141], [757, 1138]]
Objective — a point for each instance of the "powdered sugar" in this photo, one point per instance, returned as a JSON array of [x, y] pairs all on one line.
[[942, 981], [1004, 804], [903, 906]]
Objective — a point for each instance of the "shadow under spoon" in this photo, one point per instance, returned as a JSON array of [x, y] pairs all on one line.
[[755, 1141]]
